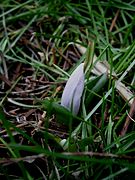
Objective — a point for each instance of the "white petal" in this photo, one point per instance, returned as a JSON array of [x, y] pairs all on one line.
[[72, 93]]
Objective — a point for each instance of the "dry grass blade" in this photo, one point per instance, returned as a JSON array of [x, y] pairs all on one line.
[[28, 159]]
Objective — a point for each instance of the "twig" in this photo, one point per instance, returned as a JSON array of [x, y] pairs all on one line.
[[97, 154], [114, 20], [128, 119]]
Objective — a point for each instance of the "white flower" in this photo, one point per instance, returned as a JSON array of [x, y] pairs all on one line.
[[73, 90]]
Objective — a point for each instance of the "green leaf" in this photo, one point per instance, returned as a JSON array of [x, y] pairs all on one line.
[[94, 87]]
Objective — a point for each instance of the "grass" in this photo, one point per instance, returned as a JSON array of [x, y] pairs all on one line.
[[41, 44]]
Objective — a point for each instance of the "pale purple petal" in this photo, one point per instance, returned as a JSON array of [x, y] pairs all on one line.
[[77, 95], [72, 93]]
